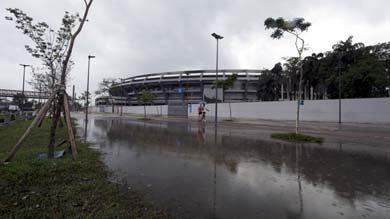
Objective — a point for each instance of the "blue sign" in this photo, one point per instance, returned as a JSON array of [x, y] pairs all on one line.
[[180, 90]]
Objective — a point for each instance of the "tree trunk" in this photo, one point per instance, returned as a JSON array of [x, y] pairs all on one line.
[[53, 129], [299, 95], [70, 127], [230, 110]]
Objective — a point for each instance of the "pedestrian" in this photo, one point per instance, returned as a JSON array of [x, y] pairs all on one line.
[[200, 112], [204, 112]]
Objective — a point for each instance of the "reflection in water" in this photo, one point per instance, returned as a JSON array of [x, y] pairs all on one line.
[[193, 174]]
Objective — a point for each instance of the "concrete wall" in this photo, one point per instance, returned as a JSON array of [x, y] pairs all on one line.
[[150, 110], [373, 110]]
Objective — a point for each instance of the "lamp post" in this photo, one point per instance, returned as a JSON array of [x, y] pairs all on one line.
[[388, 77], [122, 95], [339, 76], [217, 37], [87, 94], [24, 75]]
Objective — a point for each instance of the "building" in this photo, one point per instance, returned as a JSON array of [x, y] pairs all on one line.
[[188, 86]]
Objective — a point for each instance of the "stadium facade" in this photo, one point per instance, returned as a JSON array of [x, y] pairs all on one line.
[[188, 86]]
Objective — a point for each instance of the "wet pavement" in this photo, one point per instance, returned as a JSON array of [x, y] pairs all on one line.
[[192, 171]]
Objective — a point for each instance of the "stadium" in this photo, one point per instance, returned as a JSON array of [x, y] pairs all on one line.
[[188, 86]]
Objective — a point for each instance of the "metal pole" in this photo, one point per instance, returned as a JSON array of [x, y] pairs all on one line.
[[87, 94], [339, 91], [216, 88], [122, 98], [24, 74], [217, 37]]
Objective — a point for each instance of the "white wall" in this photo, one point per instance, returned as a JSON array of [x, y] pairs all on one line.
[[150, 110], [373, 110]]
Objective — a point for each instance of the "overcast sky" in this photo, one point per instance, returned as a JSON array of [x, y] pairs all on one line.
[[131, 37]]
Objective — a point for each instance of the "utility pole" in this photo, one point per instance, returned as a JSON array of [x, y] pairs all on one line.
[[217, 37], [339, 75], [87, 94], [24, 75]]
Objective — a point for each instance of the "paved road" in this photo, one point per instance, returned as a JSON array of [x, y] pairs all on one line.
[[367, 135], [193, 170]]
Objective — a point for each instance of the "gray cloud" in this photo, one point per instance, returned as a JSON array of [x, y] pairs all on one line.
[[137, 37]]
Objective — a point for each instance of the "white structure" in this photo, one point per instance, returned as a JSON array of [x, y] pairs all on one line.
[[372, 110]]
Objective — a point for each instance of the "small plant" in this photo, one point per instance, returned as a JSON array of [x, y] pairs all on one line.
[[298, 138]]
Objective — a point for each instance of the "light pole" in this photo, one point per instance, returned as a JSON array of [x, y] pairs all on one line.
[[122, 94], [388, 77], [24, 75], [87, 94], [339, 75], [217, 37]]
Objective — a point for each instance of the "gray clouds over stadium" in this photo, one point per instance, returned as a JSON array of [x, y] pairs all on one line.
[[138, 37]]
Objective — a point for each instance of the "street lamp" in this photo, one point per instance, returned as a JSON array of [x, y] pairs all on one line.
[[87, 94], [217, 37], [339, 76], [388, 77], [24, 75]]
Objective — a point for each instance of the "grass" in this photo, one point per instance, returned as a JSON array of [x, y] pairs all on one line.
[[61, 188], [229, 120], [298, 138]]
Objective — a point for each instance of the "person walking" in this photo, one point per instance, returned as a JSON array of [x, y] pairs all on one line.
[[204, 109], [200, 112]]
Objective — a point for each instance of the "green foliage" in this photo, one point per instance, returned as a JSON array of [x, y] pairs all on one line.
[[2, 118], [48, 45], [269, 83], [280, 25], [84, 96], [104, 86], [225, 84], [298, 138], [363, 72], [147, 97]]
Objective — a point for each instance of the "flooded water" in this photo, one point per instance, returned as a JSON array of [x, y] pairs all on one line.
[[192, 172]]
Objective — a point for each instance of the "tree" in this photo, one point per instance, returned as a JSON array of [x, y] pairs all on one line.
[[294, 27], [311, 72], [19, 99], [147, 97], [267, 86], [104, 88], [226, 84], [84, 97], [55, 52], [40, 82]]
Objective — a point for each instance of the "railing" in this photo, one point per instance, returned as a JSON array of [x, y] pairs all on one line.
[[27, 94], [243, 74]]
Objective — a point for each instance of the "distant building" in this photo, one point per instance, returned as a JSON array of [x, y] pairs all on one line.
[[188, 86]]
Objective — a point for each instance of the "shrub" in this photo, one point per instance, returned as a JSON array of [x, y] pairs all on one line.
[[299, 138]]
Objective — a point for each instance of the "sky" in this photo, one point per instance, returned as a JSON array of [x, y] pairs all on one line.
[[132, 37]]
